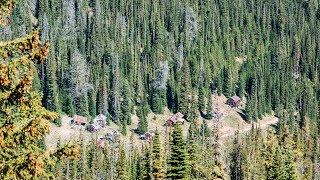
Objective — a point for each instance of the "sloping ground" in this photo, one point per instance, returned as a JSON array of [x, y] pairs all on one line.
[[67, 134], [233, 121], [230, 123]]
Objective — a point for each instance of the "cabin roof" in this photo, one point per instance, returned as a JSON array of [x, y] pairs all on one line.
[[101, 143], [177, 116], [80, 119], [96, 126], [235, 98]]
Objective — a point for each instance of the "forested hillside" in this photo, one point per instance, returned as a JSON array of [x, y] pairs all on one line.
[[123, 57], [106, 56]]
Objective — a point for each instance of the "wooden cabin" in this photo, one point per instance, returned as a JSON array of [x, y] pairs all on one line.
[[142, 137], [178, 117], [149, 136], [93, 127], [112, 136], [234, 101], [101, 143], [79, 120]]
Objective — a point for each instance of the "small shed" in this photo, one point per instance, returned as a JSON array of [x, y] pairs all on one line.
[[101, 143], [93, 127], [178, 117], [112, 136], [79, 120], [101, 120], [234, 101], [143, 137], [149, 136]]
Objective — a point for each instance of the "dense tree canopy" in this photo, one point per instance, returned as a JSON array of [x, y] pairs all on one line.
[[120, 57]]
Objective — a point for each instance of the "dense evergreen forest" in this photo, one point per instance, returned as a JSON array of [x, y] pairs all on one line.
[[119, 58]]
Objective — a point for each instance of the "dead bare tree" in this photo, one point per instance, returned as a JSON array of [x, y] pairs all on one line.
[[69, 17], [191, 24], [45, 28], [161, 75], [79, 75], [180, 56]]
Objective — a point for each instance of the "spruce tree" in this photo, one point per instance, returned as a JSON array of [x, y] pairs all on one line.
[[236, 165], [122, 164], [209, 107], [204, 129], [185, 90], [192, 115], [201, 97], [177, 163], [269, 154], [142, 126], [125, 115], [157, 161], [195, 169]]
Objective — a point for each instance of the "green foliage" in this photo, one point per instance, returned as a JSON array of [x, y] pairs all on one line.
[[152, 54], [157, 161], [125, 115], [178, 158], [142, 126], [204, 129], [122, 164], [218, 170]]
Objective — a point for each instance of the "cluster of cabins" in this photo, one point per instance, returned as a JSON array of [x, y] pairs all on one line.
[[82, 123], [100, 122]]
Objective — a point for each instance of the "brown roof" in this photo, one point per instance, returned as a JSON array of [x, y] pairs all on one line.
[[101, 143], [80, 119], [176, 116], [235, 98]]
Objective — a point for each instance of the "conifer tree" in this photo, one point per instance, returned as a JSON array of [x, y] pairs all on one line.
[[218, 171], [185, 91], [269, 155], [125, 115], [201, 97], [204, 129], [195, 170], [236, 166], [290, 167], [177, 162], [209, 107], [157, 161], [192, 115], [142, 126], [122, 164]]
